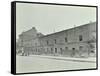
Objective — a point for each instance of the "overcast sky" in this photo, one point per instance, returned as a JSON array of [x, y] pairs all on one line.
[[51, 18]]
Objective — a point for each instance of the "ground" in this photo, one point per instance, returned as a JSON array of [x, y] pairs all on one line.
[[34, 63]]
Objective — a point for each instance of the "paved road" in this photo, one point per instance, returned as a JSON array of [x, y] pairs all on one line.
[[37, 64]]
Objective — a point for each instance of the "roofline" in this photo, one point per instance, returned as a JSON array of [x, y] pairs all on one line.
[[67, 29]]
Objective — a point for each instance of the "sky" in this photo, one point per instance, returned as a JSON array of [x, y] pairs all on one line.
[[51, 18]]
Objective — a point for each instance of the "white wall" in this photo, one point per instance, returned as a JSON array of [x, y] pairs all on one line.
[[5, 39]]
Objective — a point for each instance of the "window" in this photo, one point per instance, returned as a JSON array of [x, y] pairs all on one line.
[[47, 49], [47, 42], [66, 48], [66, 39], [61, 50], [92, 51], [55, 50], [73, 52], [35, 44], [36, 49], [73, 48], [55, 41], [81, 48], [80, 38], [51, 50]]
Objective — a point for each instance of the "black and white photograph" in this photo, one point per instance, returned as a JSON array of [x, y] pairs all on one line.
[[55, 37]]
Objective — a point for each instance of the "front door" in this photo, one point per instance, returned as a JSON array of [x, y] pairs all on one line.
[[73, 52]]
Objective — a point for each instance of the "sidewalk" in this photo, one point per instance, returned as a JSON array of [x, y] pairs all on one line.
[[90, 59]]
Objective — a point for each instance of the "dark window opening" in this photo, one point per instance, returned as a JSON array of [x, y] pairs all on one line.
[[66, 39], [35, 44], [55, 50], [47, 42], [80, 38], [55, 41], [60, 48], [73, 48], [66, 48], [92, 51], [36, 49], [81, 48], [47, 49], [51, 50]]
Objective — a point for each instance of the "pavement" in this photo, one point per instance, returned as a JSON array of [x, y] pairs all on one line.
[[89, 59], [40, 63]]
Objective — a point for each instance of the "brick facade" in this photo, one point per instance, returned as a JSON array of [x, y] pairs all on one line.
[[75, 42]]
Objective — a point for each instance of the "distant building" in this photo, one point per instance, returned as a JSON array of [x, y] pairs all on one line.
[[75, 42]]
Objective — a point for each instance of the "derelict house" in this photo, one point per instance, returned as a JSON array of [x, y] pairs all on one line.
[[75, 42], [28, 42]]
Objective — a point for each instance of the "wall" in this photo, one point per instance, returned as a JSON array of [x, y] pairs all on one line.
[[72, 35]]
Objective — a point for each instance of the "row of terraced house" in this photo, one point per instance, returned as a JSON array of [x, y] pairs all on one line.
[[79, 41]]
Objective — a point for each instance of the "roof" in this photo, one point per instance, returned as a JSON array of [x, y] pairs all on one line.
[[68, 29]]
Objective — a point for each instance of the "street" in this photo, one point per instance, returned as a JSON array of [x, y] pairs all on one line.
[[26, 64]]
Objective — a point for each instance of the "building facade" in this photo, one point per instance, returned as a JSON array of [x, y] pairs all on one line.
[[75, 42]]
